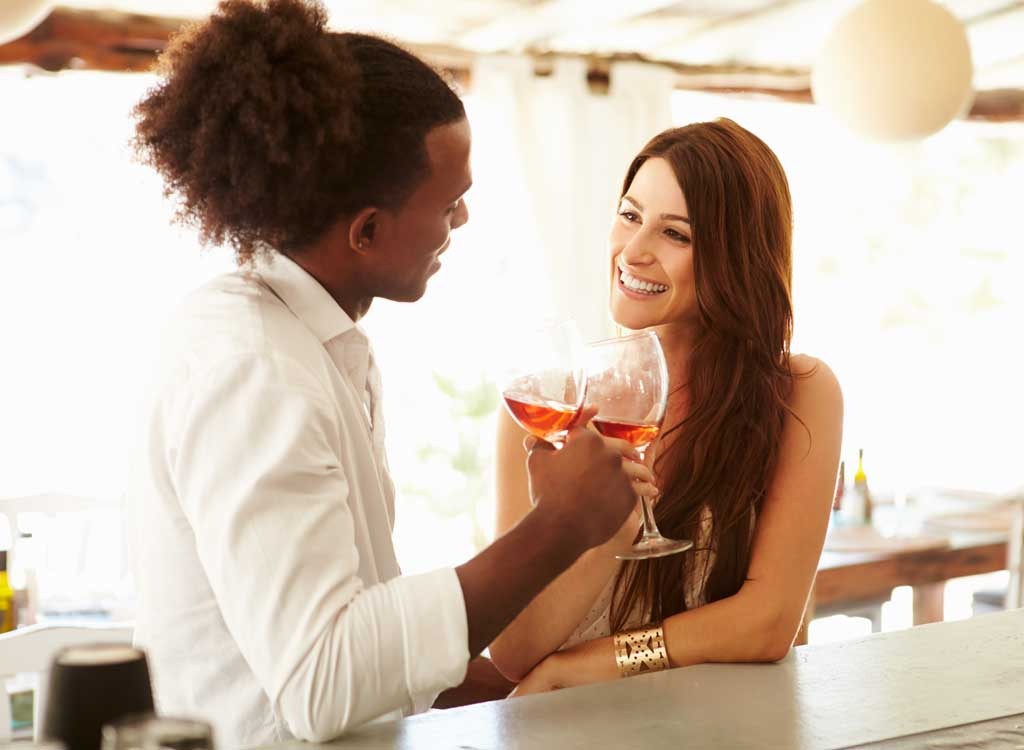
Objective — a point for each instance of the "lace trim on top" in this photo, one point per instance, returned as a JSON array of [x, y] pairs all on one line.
[[597, 622]]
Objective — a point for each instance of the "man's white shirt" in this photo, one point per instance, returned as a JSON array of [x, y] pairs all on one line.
[[270, 598]]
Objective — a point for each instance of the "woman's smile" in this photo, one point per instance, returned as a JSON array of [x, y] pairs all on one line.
[[637, 287]]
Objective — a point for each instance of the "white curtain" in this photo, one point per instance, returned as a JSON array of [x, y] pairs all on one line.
[[572, 149]]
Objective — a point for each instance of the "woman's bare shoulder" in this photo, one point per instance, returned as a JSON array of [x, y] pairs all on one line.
[[813, 381]]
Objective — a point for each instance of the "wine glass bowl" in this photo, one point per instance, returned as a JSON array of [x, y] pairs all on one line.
[[545, 384], [628, 382], [547, 418]]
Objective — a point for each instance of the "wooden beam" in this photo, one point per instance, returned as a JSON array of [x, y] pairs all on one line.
[[998, 105], [93, 40], [103, 40]]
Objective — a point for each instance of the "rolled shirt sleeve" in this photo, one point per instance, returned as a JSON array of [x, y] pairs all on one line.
[[259, 478]]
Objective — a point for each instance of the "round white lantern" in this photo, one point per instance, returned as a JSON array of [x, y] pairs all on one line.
[[895, 70], [18, 17]]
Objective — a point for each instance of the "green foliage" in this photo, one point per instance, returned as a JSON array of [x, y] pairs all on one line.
[[464, 449], [476, 402]]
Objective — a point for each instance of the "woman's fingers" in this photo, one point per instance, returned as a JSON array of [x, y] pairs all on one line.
[[643, 478], [644, 482], [627, 450], [637, 471], [645, 489]]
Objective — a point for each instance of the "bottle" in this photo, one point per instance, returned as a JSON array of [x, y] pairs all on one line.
[[860, 486], [852, 511], [836, 519], [856, 507], [22, 578], [6, 596]]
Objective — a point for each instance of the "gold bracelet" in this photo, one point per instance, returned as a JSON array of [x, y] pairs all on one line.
[[641, 650]]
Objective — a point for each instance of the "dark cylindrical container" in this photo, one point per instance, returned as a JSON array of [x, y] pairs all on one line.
[[90, 686]]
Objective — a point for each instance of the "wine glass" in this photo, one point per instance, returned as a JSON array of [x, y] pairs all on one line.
[[627, 380], [545, 382]]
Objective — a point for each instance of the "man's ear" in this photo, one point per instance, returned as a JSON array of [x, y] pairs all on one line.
[[363, 230]]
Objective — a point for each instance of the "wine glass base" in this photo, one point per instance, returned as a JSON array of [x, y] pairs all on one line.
[[655, 546]]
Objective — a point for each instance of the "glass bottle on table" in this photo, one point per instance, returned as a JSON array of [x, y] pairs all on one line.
[[856, 503], [24, 580], [860, 486], [7, 621]]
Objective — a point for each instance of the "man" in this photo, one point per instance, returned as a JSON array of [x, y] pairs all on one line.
[[270, 598]]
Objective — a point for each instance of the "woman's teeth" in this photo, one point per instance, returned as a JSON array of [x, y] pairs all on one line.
[[633, 284]]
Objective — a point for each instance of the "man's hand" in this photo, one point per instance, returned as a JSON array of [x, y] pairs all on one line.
[[584, 484], [483, 682], [583, 496]]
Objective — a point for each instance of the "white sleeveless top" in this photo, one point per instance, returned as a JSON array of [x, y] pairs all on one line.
[[597, 624]]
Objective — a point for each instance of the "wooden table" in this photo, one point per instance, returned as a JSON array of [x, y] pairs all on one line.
[[851, 578], [944, 685]]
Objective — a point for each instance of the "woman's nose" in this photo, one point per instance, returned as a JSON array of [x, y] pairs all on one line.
[[634, 251]]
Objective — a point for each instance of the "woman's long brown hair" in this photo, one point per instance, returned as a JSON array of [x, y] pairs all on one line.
[[723, 453]]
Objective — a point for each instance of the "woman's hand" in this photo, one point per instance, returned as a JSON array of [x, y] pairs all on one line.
[[642, 476], [543, 678], [593, 661], [644, 486]]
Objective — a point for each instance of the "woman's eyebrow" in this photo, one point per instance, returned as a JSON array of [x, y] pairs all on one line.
[[669, 217]]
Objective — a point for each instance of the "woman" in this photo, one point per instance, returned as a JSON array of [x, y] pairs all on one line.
[[746, 463]]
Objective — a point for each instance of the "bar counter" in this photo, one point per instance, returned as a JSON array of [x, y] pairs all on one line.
[[944, 685]]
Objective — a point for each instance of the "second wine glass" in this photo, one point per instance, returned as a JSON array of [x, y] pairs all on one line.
[[627, 380]]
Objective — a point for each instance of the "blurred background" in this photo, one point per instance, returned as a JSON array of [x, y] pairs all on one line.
[[909, 262]]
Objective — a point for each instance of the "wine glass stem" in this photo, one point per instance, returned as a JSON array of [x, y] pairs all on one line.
[[650, 527]]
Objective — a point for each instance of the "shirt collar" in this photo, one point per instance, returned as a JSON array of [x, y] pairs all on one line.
[[304, 296]]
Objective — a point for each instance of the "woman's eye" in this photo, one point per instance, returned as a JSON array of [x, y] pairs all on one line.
[[629, 215], [677, 236]]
